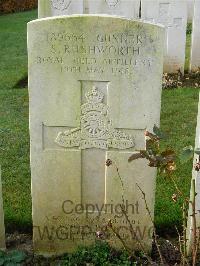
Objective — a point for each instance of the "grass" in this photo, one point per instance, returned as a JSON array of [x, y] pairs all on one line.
[[13, 63], [14, 158], [188, 45], [178, 118], [14, 136]]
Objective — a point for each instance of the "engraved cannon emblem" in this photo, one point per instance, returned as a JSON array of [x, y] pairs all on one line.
[[96, 130]]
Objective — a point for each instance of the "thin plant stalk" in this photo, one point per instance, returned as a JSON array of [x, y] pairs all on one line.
[[194, 223], [154, 230], [129, 222]]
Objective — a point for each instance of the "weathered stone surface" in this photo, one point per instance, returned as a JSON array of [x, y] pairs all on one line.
[[125, 8], [195, 51], [49, 8], [173, 15], [190, 9], [95, 87], [2, 228], [196, 177]]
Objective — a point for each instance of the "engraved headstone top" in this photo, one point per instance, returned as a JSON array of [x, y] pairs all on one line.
[[61, 4], [125, 8], [95, 87], [173, 15], [49, 8]]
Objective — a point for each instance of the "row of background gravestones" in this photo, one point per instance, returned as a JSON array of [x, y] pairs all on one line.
[[171, 13]]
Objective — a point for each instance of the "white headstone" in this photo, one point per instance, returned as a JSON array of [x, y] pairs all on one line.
[[50, 8], [196, 177], [95, 87], [173, 15], [195, 47], [2, 228], [125, 8]]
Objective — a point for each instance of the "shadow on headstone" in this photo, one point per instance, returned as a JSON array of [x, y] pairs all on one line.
[[22, 83]]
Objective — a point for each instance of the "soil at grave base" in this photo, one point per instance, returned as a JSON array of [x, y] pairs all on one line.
[[23, 242], [177, 80]]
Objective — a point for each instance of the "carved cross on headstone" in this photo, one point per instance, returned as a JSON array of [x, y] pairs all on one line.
[[94, 138], [165, 17]]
